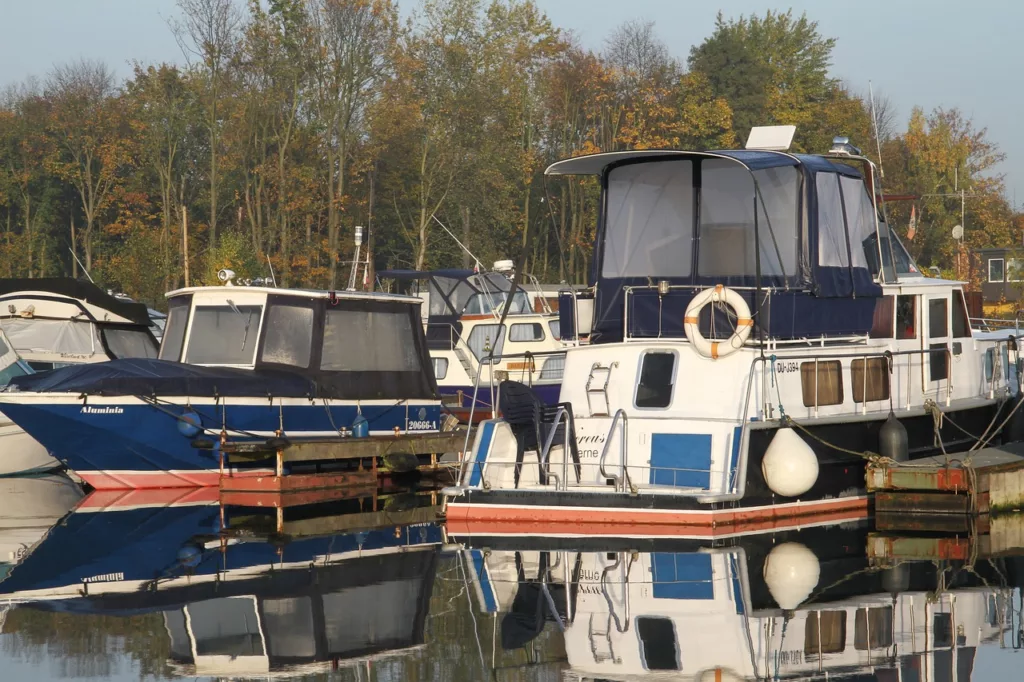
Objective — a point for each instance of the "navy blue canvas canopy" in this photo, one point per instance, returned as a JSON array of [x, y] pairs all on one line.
[[750, 220], [145, 377]]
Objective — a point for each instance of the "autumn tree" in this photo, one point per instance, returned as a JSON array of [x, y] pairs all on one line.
[[87, 121]]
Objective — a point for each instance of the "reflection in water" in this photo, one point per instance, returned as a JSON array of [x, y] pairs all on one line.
[[372, 590]]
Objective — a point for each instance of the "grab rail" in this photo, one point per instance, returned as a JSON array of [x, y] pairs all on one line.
[[546, 450], [621, 477]]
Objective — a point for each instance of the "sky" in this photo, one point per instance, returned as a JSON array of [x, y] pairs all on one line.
[[926, 53]]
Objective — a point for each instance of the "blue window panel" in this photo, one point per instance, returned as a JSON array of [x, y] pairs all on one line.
[[682, 460], [682, 576], [490, 605], [737, 437]]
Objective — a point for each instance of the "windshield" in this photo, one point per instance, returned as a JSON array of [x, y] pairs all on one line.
[[905, 264], [224, 334], [494, 302], [130, 343], [175, 327]]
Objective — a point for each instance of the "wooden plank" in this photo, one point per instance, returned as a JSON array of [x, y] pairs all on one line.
[[915, 502], [292, 482]]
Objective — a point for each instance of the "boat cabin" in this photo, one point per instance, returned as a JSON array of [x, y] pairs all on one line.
[[55, 322], [797, 235], [362, 344]]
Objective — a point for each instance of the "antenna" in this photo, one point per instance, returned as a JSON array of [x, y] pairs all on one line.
[[881, 193], [272, 277], [81, 265], [471, 254]]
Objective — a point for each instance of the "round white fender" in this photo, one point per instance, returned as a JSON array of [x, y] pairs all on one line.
[[789, 467], [791, 573], [744, 323]]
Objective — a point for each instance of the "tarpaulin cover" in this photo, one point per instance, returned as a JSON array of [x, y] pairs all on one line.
[[146, 377], [85, 291]]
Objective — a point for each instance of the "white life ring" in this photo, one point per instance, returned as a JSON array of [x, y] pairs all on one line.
[[744, 323]]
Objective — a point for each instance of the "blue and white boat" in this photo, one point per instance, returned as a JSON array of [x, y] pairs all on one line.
[[465, 330], [233, 607], [248, 363]]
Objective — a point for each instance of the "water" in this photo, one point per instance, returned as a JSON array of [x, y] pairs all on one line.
[[132, 588]]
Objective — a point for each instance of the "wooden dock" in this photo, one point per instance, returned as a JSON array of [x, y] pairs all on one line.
[[340, 463], [986, 481]]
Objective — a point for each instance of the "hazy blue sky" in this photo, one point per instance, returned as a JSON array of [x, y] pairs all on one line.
[[934, 53]]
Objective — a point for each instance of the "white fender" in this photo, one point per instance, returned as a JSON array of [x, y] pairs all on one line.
[[744, 323], [791, 572], [790, 466]]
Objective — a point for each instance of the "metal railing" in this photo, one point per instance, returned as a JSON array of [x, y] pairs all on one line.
[[622, 477]]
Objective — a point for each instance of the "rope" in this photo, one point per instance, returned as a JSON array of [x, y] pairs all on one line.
[[867, 455]]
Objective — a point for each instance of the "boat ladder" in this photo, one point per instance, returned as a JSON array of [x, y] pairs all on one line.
[[601, 641], [597, 385]]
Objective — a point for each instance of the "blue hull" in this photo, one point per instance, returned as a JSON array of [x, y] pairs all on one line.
[[163, 543], [108, 446]]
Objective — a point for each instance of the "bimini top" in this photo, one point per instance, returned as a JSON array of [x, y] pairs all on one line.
[[77, 298], [453, 293], [745, 219]]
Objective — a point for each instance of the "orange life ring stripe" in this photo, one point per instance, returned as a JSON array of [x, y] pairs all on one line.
[[714, 350], [744, 322], [689, 320]]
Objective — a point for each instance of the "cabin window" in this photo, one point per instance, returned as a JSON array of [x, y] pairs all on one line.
[[556, 329], [289, 336], [938, 362], [1014, 270], [440, 367], [937, 324], [226, 626], [290, 627], [860, 220], [832, 246], [657, 373], [375, 341], [779, 219], [175, 327], [906, 317], [553, 367], [872, 628], [961, 322], [882, 323], [824, 632], [523, 331], [224, 335], [491, 302], [17, 368], [649, 220], [658, 647], [130, 343], [486, 338], [822, 383], [872, 384], [995, 269], [71, 339]]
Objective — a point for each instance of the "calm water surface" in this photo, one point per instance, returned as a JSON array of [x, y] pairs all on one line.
[[148, 587]]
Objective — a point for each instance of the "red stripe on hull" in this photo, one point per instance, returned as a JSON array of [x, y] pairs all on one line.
[[487, 519], [129, 480]]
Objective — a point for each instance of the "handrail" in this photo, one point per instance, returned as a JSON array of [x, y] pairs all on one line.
[[546, 450], [621, 477], [625, 594]]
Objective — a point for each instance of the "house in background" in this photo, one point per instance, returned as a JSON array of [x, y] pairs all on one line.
[[1002, 274]]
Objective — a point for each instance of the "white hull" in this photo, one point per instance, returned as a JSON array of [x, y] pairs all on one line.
[[20, 453], [29, 507]]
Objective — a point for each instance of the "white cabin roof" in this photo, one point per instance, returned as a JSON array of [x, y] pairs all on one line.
[[302, 293]]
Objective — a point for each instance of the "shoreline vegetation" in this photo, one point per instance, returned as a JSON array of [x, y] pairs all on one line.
[[289, 122]]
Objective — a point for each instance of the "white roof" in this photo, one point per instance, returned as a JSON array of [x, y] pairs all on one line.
[[303, 293]]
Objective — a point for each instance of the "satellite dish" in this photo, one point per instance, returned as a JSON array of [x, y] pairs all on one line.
[[958, 232]]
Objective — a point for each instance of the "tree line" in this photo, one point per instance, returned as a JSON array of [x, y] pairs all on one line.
[[290, 122]]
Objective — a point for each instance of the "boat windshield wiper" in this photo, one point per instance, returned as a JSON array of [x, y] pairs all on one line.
[[248, 321]]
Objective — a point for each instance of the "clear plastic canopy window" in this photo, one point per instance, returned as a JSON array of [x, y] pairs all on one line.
[[651, 220]]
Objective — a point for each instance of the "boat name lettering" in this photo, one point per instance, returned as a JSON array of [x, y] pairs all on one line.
[[422, 425], [104, 578], [784, 367], [89, 409], [791, 657], [596, 440]]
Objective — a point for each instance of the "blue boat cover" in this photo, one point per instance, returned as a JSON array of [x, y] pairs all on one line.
[[146, 377]]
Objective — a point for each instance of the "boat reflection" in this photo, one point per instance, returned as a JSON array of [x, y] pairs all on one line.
[[803, 604], [240, 592]]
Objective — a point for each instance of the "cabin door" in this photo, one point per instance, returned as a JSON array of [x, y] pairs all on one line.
[[935, 340]]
